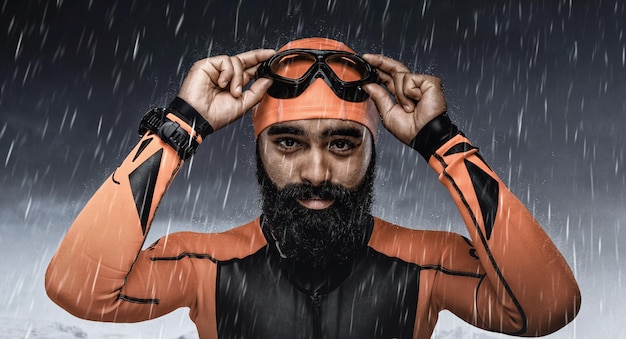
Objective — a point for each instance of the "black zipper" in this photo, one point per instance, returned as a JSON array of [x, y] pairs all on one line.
[[317, 320]]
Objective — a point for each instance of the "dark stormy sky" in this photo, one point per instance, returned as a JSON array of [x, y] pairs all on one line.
[[538, 85]]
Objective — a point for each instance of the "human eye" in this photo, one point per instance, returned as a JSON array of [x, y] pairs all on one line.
[[341, 146], [287, 144]]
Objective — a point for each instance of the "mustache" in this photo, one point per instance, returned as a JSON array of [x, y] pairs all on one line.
[[304, 191]]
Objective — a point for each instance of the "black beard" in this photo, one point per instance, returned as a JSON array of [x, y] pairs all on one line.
[[317, 238]]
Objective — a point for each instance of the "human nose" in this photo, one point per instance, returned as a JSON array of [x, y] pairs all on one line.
[[314, 168]]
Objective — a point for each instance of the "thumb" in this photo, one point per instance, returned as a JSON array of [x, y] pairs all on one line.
[[255, 93], [382, 99], [394, 118]]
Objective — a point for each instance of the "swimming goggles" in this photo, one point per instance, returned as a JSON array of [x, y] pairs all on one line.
[[294, 70]]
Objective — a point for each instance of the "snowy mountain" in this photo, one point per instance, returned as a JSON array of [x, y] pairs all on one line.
[[36, 329], [33, 329], [12, 328]]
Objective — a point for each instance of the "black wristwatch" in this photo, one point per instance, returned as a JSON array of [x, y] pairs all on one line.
[[170, 131]]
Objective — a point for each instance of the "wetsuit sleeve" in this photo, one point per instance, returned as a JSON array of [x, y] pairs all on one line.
[[528, 288], [99, 271]]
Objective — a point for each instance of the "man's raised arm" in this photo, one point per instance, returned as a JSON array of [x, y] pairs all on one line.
[[527, 288], [523, 285], [100, 258], [89, 271]]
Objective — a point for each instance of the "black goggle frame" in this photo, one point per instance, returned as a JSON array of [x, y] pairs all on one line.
[[285, 88]]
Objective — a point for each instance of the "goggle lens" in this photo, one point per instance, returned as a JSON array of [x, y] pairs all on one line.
[[293, 66], [347, 69]]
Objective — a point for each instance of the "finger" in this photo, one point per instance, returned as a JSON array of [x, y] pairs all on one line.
[[249, 74], [255, 93], [209, 67], [421, 85], [387, 80], [254, 57], [399, 123], [237, 80], [391, 73], [385, 77], [412, 88], [384, 103], [224, 66], [250, 62], [386, 64], [394, 118], [402, 81]]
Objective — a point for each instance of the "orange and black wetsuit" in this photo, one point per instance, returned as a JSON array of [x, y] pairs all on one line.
[[509, 277]]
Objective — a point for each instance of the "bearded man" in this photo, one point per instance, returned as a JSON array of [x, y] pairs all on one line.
[[316, 263]]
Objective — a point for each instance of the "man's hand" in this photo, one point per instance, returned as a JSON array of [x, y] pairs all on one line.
[[419, 98], [214, 86]]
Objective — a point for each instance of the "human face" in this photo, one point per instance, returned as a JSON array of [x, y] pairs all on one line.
[[316, 151]]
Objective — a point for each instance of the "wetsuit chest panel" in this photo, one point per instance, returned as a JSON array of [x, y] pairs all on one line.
[[255, 299]]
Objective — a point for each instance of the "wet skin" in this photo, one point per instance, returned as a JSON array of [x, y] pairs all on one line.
[[315, 151]]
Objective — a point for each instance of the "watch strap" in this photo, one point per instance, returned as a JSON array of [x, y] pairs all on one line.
[[433, 135], [188, 114], [169, 131]]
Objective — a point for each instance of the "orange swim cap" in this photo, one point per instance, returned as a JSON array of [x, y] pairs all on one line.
[[318, 101]]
